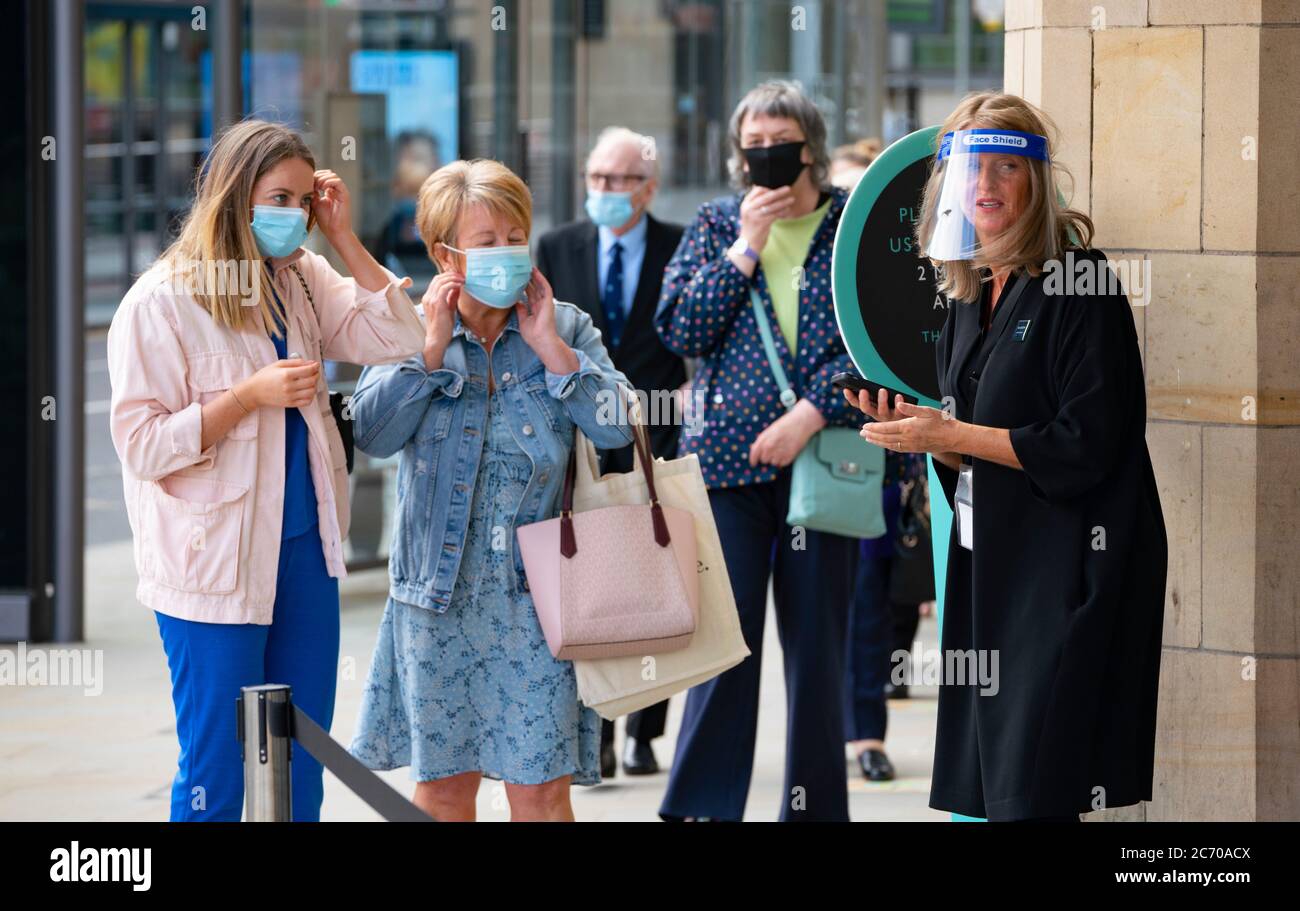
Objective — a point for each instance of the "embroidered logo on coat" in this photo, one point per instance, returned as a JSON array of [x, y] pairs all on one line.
[[1022, 329]]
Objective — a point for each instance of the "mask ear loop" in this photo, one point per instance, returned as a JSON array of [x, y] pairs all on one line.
[[447, 246]]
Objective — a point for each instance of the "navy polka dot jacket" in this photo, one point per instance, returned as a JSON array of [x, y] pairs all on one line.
[[704, 312]]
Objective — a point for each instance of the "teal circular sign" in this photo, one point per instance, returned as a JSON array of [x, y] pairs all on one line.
[[887, 305]]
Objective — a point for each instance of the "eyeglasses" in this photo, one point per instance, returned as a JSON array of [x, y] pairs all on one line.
[[614, 181]]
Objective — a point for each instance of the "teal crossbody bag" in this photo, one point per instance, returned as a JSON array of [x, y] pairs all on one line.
[[836, 480]]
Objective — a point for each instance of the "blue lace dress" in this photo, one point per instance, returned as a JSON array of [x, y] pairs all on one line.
[[476, 688]]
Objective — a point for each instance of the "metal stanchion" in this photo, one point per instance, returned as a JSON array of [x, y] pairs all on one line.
[[268, 724], [266, 736]]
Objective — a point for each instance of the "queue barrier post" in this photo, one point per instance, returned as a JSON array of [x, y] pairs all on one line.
[[265, 734], [268, 723]]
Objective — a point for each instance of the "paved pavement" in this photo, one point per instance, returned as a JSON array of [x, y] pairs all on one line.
[[68, 755]]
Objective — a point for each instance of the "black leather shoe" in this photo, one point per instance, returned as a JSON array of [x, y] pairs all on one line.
[[876, 766], [608, 761], [639, 758]]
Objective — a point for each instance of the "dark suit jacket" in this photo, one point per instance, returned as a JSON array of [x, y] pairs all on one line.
[[567, 257]]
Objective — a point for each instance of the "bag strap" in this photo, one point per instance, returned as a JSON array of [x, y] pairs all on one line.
[[306, 289], [788, 396], [641, 440], [568, 541], [302, 281]]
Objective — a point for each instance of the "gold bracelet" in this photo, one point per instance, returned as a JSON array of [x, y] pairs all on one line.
[[237, 401]]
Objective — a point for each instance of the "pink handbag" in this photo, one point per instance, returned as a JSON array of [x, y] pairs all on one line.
[[615, 581]]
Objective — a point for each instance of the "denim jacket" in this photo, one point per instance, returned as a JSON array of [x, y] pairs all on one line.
[[437, 419]]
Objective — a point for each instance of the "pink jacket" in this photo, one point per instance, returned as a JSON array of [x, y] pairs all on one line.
[[206, 523]]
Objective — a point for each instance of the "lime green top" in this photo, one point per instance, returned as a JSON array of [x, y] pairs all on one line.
[[782, 259]]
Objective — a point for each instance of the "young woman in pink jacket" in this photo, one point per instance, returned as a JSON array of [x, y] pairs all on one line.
[[233, 469]]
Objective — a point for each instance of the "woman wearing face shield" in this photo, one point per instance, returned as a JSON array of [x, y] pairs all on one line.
[[462, 685], [1056, 567]]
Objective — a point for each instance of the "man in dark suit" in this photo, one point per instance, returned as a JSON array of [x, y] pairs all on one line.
[[611, 264]]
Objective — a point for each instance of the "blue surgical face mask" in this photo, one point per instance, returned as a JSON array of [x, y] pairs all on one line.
[[609, 209], [279, 230], [496, 275]]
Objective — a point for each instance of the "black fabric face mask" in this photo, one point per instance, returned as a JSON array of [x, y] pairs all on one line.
[[774, 166]]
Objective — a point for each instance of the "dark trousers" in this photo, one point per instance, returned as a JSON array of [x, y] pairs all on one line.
[[644, 725], [870, 644], [715, 748], [907, 618]]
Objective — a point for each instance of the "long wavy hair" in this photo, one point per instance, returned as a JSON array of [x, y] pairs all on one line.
[[217, 233], [1047, 227]]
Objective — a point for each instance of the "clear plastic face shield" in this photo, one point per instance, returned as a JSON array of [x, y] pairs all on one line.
[[982, 170]]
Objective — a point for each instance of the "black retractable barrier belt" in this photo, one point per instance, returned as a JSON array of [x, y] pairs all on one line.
[[348, 769]]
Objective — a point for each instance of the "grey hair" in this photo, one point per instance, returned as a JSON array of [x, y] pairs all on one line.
[[779, 98], [623, 134]]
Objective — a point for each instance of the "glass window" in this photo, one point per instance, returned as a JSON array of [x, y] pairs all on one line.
[[386, 91], [145, 133]]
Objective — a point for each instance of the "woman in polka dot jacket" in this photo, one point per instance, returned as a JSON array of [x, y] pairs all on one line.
[[775, 236]]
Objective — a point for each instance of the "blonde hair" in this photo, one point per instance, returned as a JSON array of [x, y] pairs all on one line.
[[1045, 229], [453, 188], [861, 153], [217, 230]]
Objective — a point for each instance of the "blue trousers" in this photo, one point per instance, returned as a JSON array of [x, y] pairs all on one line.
[[715, 747], [210, 662], [871, 637]]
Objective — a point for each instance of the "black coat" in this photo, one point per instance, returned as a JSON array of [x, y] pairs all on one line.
[[1066, 581], [567, 257]]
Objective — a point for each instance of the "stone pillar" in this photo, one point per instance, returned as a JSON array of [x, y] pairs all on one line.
[[1179, 121]]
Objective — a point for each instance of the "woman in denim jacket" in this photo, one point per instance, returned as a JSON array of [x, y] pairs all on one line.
[[462, 684]]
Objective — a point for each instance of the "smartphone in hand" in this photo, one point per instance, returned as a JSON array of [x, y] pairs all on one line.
[[855, 383]]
